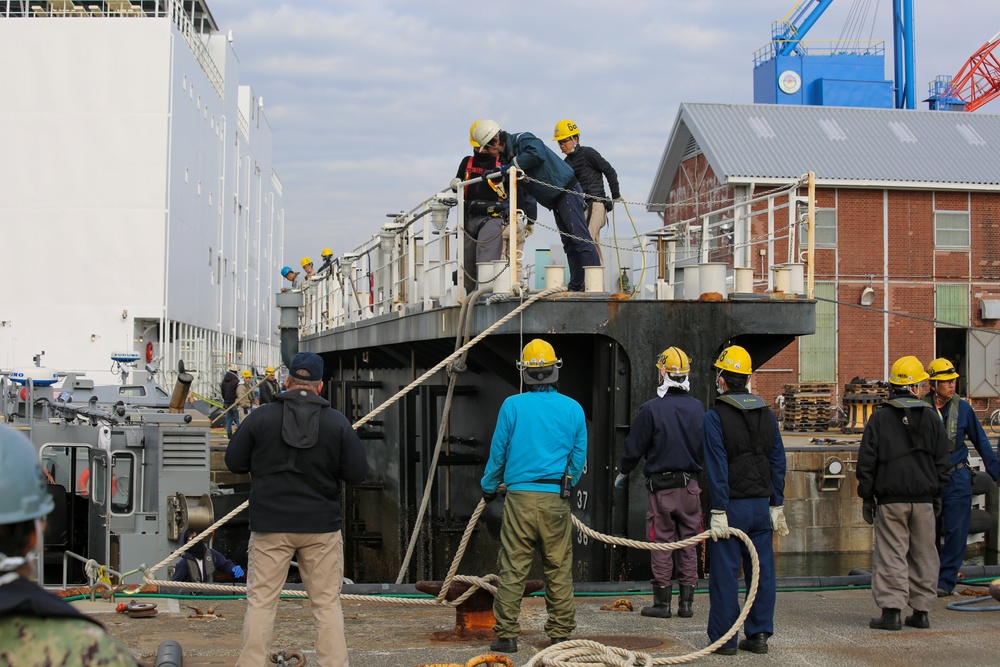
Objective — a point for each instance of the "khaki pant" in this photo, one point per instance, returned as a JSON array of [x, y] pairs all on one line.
[[597, 218], [321, 564], [905, 558], [535, 520]]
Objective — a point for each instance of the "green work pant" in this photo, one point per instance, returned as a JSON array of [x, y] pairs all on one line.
[[535, 520]]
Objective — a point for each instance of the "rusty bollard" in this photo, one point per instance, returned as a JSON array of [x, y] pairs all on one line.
[[473, 617]]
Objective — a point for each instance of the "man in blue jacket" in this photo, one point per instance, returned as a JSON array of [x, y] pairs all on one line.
[[551, 178], [960, 421], [201, 562], [299, 452], [667, 431], [539, 450], [745, 462]]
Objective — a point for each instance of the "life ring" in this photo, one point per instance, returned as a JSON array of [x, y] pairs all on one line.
[[149, 352]]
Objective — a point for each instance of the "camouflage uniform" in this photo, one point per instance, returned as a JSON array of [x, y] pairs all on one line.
[[28, 641]]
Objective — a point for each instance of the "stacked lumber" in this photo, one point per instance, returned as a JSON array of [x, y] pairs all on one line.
[[807, 406]]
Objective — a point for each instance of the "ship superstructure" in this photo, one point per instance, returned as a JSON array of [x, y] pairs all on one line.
[[140, 210]]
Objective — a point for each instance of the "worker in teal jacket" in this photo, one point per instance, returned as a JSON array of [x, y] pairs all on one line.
[[539, 450]]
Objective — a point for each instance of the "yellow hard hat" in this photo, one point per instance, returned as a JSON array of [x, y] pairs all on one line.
[[907, 371], [941, 369], [485, 131], [246, 374], [734, 359], [269, 370], [537, 354], [326, 253], [564, 130], [673, 360], [306, 260], [472, 134]]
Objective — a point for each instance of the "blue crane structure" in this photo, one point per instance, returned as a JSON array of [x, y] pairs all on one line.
[[789, 70]]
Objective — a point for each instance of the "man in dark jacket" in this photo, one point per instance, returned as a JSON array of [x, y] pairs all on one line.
[[902, 471], [552, 183], [230, 382], [591, 169], [298, 451], [269, 387], [201, 562], [667, 431], [745, 462]]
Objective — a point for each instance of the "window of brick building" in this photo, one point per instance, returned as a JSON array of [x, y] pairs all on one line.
[[951, 229], [826, 229], [818, 352]]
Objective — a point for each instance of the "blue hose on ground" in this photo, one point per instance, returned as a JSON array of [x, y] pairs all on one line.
[[966, 605]]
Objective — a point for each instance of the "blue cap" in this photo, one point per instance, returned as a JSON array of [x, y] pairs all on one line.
[[306, 366], [285, 270]]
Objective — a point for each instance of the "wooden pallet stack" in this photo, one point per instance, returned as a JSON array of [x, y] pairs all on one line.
[[860, 401], [808, 406]]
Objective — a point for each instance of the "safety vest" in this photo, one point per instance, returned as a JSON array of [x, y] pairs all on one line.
[[951, 422], [748, 436]]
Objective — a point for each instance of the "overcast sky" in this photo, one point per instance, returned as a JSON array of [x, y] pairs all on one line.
[[370, 101]]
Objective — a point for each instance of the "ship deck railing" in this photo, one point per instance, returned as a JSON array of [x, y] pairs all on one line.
[[415, 263]]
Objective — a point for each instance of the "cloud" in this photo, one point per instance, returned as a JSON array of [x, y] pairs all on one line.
[[370, 102]]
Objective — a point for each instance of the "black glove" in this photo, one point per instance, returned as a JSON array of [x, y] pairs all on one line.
[[937, 507], [489, 497], [868, 512]]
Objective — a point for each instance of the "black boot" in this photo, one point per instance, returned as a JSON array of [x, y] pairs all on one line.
[[918, 620], [504, 645], [684, 604], [755, 643], [888, 621], [661, 602]]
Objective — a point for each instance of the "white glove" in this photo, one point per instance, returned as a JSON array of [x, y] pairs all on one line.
[[455, 183], [719, 525], [778, 523], [620, 480]]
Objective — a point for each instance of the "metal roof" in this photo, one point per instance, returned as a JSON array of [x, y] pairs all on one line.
[[867, 147]]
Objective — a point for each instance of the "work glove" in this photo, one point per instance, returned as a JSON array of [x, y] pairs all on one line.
[[489, 496], [937, 507], [778, 523], [719, 525], [529, 229], [868, 512], [454, 184], [238, 572], [620, 481]]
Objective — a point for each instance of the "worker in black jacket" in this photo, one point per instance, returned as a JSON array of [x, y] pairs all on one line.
[[299, 452], [902, 471], [230, 381], [591, 169]]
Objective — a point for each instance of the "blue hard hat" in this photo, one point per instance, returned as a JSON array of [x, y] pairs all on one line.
[[285, 270]]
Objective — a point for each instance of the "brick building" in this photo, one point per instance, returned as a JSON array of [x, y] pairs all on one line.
[[907, 220]]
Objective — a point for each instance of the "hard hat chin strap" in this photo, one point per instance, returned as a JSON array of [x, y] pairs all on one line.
[[10, 564]]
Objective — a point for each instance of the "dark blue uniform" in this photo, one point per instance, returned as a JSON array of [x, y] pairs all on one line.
[[952, 526], [744, 486]]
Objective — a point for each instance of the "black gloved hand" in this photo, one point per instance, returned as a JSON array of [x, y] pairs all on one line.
[[489, 497], [868, 512], [937, 507]]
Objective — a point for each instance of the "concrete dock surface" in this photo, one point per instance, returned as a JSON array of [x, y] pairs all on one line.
[[815, 628]]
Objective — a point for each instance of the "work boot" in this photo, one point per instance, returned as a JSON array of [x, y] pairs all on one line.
[[661, 602], [755, 643], [918, 620], [504, 645], [558, 640], [888, 621], [725, 650], [942, 593], [684, 604]]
